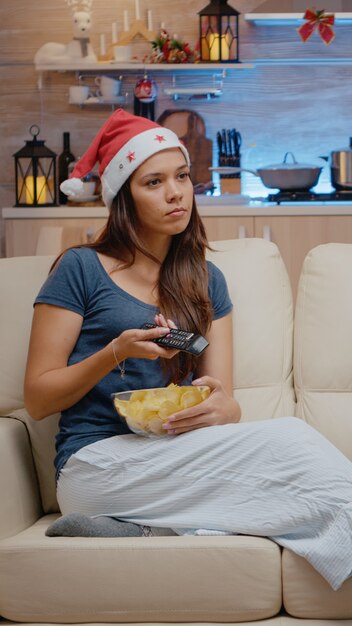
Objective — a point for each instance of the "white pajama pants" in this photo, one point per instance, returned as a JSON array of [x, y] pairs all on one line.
[[277, 478]]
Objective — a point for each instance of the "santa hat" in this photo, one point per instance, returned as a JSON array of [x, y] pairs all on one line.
[[122, 144]]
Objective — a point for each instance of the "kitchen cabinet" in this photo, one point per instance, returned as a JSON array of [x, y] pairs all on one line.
[[218, 228], [296, 235], [295, 230], [22, 236]]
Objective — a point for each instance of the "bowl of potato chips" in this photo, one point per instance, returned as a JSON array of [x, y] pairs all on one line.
[[146, 410]]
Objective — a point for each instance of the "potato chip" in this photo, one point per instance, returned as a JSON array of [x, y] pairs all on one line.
[[191, 398], [168, 408]]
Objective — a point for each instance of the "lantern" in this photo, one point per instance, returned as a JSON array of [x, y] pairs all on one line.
[[218, 33], [35, 170]]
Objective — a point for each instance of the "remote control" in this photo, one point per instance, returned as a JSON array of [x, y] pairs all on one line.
[[181, 340]]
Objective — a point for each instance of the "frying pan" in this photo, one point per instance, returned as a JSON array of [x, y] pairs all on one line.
[[284, 176]]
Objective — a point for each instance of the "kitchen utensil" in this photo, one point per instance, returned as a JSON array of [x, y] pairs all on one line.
[[341, 168], [225, 146], [220, 148], [236, 138], [189, 126], [284, 175]]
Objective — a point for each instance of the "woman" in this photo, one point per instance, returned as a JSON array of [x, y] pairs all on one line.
[[276, 478]]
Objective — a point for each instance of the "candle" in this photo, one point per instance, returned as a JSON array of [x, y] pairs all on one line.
[[138, 13], [150, 20], [162, 25], [41, 190], [102, 44], [125, 21], [114, 32], [214, 48], [225, 50]]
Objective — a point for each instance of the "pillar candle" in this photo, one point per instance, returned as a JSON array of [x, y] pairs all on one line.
[[138, 13], [225, 51], [214, 48], [126, 25], [41, 189]]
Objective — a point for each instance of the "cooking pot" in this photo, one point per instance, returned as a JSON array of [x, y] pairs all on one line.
[[284, 176], [341, 168]]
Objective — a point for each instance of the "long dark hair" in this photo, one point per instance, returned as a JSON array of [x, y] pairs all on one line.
[[183, 277]]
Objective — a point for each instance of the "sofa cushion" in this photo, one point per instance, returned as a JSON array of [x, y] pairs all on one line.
[[323, 343], [170, 579], [307, 595], [42, 437], [263, 326], [20, 280]]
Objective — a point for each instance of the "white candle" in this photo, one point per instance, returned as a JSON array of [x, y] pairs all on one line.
[[150, 20], [162, 25], [138, 13], [102, 44], [125, 21], [114, 32]]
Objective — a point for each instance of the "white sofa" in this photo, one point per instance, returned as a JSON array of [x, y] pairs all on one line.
[[181, 579]]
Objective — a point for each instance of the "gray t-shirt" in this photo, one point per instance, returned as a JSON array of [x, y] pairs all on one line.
[[80, 283]]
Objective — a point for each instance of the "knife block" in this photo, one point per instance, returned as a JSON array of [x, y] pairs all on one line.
[[230, 185]]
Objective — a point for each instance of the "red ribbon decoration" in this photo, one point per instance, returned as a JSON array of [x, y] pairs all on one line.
[[320, 20]]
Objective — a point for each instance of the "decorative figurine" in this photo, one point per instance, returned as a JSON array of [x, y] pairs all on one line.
[[80, 48]]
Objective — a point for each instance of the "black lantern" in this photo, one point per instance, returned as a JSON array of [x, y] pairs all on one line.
[[218, 33], [35, 169]]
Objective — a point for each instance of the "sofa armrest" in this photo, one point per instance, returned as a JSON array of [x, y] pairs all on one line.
[[19, 492]]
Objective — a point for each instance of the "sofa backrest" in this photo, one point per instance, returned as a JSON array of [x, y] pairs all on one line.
[[323, 343], [261, 295], [263, 326]]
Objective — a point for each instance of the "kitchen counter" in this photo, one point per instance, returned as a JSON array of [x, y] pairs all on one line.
[[219, 206]]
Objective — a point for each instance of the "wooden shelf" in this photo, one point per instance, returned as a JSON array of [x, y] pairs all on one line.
[[137, 67], [287, 19]]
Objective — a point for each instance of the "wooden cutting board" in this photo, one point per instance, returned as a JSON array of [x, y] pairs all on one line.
[[189, 126]]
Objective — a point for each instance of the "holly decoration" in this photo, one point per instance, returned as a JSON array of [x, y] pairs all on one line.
[[320, 21], [166, 49]]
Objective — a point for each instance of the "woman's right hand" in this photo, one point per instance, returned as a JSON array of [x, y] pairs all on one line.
[[138, 344]]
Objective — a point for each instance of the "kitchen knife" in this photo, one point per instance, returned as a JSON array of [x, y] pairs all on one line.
[[229, 145], [237, 141], [225, 148], [220, 148]]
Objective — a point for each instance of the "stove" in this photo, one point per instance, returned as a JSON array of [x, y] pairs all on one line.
[[303, 195]]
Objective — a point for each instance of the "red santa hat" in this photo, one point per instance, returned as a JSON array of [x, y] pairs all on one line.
[[122, 144]]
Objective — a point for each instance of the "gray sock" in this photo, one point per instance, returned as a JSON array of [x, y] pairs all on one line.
[[79, 525]]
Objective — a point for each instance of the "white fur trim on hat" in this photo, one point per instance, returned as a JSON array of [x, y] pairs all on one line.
[[133, 154], [71, 186]]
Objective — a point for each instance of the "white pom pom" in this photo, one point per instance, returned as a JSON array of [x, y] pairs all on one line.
[[71, 186]]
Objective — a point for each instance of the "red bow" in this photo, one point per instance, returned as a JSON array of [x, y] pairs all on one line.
[[320, 20]]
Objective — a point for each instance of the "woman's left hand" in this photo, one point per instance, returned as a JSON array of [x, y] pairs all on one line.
[[218, 408]]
